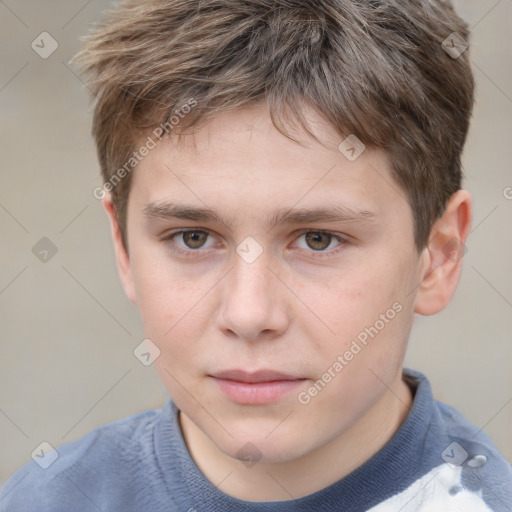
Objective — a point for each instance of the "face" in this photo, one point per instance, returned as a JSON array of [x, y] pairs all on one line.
[[281, 309]]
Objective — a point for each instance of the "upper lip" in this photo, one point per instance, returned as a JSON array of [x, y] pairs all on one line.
[[256, 376]]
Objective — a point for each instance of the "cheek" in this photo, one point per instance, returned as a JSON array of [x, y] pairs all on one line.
[[369, 316], [174, 312], [166, 299], [357, 301]]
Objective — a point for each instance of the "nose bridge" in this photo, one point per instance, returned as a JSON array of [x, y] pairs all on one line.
[[251, 263], [252, 299], [252, 279]]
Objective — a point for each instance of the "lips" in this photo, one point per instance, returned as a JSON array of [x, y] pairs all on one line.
[[256, 388], [254, 377]]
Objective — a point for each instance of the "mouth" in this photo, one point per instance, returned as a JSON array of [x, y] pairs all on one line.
[[256, 388]]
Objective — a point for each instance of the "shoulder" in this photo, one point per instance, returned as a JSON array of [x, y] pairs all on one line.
[[468, 440], [469, 447], [62, 478], [454, 442]]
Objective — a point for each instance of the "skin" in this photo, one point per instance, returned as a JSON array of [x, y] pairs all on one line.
[[291, 309]]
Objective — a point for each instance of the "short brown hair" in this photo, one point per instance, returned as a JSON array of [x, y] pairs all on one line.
[[378, 69]]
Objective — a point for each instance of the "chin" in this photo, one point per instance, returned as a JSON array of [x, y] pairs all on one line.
[[253, 449]]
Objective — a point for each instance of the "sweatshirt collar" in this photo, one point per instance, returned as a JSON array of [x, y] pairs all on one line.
[[382, 476]]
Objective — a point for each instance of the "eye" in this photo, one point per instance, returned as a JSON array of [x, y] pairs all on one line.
[[191, 241], [320, 241], [194, 239]]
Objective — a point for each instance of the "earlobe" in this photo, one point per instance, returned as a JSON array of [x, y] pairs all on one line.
[[122, 257], [442, 258]]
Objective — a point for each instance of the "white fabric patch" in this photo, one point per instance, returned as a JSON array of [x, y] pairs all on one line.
[[439, 490]]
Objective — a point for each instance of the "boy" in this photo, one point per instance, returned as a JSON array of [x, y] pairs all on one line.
[[233, 137]]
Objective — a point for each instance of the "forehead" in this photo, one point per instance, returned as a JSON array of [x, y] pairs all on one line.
[[240, 161]]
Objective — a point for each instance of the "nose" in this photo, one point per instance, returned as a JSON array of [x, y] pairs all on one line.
[[254, 302]]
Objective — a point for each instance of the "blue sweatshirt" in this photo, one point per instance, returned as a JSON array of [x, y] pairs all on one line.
[[436, 462]]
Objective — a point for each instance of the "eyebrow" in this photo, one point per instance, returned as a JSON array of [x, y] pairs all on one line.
[[335, 213]]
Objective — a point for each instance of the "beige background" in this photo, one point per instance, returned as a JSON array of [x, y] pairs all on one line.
[[67, 330]]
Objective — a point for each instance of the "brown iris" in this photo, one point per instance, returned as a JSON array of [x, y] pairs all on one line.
[[314, 240]]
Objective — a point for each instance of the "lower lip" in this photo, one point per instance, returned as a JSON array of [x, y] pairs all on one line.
[[257, 393]]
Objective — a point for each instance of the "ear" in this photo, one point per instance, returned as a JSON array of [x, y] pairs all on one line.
[[442, 258], [123, 260]]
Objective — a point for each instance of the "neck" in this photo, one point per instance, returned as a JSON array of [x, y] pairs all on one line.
[[310, 473]]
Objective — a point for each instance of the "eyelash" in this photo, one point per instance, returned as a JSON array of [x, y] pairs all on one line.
[[192, 253]]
